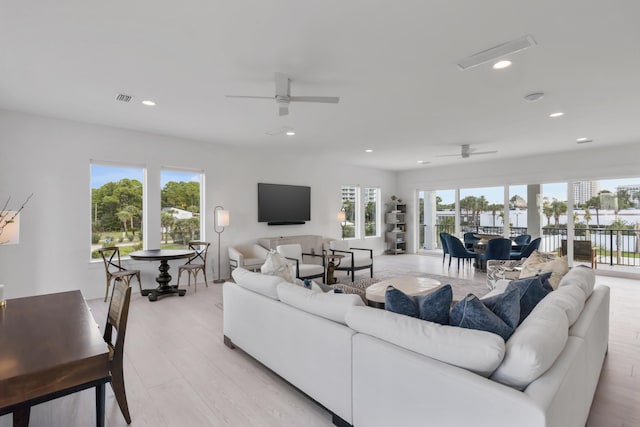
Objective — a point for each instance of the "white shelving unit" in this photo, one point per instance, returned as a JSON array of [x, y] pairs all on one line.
[[395, 235]]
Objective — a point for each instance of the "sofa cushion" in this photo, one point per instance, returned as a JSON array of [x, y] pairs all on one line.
[[329, 305], [533, 347], [257, 282], [531, 293], [582, 276], [432, 307], [471, 313], [569, 298], [478, 351], [277, 265], [535, 265]]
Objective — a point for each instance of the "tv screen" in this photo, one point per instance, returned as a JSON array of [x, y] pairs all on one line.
[[283, 204]]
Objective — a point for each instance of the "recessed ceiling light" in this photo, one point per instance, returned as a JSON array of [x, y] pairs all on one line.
[[368, 151], [558, 114], [535, 96], [422, 162], [149, 103], [583, 140], [501, 64], [290, 133]]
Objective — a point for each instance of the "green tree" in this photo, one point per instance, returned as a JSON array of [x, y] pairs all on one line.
[[182, 195], [547, 210], [495, 208], [559, 208], [595, 203], [166, 222]]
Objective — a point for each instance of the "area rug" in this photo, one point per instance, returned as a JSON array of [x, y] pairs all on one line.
[[460, 287]]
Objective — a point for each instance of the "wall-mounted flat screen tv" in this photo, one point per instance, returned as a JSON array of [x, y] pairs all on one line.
[[283, 204]]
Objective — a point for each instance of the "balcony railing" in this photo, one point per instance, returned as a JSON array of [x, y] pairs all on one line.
[[614, 246]]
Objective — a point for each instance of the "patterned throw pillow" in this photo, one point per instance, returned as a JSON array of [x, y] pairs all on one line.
[[277, 265], [534, 266]]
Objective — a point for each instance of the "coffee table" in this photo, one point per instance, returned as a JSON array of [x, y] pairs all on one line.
[[410, 285]]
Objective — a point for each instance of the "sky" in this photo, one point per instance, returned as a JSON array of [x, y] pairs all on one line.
[[101, 174], [551, 190]]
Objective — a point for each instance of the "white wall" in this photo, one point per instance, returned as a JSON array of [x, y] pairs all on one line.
[[51, 158], [579, 164]]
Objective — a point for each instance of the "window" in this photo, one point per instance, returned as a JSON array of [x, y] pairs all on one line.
[[371, 212], [350, 205], [479, 208], [116, 208], [180, 208]]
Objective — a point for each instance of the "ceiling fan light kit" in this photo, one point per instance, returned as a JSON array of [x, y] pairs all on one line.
[[466, 151], [283, 95]]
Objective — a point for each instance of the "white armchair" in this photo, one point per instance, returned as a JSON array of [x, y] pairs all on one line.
[[355, 258], [299, 268], [249, 257]]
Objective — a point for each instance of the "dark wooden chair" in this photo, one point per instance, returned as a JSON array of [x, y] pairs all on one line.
[[117, 319], [114, 270], [195, 264], [582, 251]]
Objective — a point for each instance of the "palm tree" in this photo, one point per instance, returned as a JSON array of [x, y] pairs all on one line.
[[124, 216], [587, 218], [559, 208], [547, 210]]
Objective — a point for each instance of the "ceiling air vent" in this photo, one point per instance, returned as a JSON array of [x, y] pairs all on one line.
[[496, 52], [124, 98]]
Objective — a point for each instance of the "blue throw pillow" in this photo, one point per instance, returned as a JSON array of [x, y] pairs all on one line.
[[435, 306], [531, 293], [471, 313], [544, 278], [398, 302], [508, 307]]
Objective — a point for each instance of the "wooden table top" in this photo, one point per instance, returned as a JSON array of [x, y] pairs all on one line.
[[48, 343], [161, 254]]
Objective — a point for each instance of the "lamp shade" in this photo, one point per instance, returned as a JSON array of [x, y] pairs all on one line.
[[222, 218], [10, 234], [342, 216]]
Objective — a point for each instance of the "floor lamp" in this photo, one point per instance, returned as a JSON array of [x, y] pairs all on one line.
[[220, 221], [342, 218]]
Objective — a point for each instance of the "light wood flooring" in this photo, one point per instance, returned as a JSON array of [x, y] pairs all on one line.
[[179, 373]]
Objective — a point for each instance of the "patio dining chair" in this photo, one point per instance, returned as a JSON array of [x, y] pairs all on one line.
[[196, 263]]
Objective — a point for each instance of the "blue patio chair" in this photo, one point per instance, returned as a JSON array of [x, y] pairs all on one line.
[[496, 249], [443, 242], [457, 250], [470, 239], [527, 251], [521, 242]]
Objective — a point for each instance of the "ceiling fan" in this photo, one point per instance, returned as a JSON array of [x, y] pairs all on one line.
[[467, 151], [283, 95]]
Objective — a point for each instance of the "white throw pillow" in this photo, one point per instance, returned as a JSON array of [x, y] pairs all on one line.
[[256, 282], [478, 351], [558, 268], [328, 305], [277, 265], [533, 347]]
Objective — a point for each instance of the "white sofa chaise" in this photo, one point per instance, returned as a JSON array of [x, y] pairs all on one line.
[[384, 369]]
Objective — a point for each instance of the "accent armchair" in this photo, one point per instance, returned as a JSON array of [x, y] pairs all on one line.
[[301, 269], [249, 257], [355, 258]]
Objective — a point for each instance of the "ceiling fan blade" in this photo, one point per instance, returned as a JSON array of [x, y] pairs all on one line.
[[247, 96], [483, 152], [325, 99], [447, 155], [282, 84], [283, 110]]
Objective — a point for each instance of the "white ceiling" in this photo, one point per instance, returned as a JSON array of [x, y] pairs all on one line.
[[393, 64]]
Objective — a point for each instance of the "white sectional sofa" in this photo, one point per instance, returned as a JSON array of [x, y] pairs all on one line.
[[370, 367]]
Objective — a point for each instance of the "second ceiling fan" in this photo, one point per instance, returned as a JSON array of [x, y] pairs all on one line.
[[283, 95], [466, 151]]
